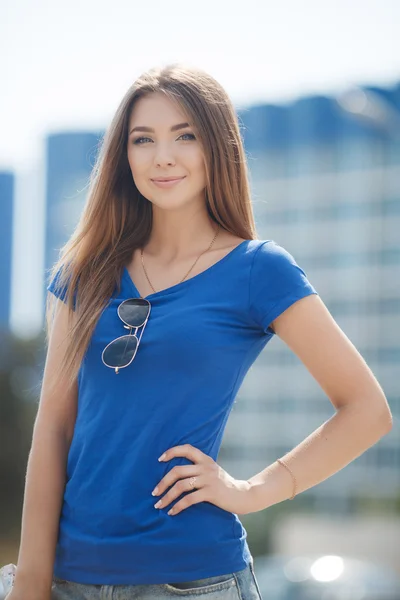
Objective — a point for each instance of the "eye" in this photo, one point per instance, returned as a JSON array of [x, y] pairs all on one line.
[[190, 134], [139, 140]]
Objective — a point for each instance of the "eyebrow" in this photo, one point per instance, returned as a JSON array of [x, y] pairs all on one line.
[[150, 130]]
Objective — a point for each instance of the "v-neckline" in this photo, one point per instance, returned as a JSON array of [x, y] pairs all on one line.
[[185, 282]]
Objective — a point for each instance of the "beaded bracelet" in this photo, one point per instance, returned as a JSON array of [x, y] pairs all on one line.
[[280, 461]]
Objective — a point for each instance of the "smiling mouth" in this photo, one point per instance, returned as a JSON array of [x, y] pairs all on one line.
[[167, 183], [167, 179]]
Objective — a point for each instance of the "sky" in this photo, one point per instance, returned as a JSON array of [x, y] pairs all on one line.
[[66, 65]]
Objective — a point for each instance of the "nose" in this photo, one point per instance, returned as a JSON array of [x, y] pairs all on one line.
[[163, 156]]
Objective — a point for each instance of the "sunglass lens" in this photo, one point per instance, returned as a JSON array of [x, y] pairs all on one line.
[[120, 352], [134, 311]]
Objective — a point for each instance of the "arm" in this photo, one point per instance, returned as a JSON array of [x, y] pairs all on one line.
[[46, 472], [362, 412]]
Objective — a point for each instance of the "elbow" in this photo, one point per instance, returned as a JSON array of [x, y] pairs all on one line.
[[377, 413], [387, 421], [384, 417]]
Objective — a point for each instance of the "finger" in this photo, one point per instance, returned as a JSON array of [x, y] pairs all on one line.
[[178, 472], [180, 487], [187, 501], [190, 452]]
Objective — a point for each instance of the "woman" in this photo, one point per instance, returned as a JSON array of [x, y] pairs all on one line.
[[165, 299]]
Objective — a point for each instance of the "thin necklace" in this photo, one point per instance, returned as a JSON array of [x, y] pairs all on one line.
[[145, 272]]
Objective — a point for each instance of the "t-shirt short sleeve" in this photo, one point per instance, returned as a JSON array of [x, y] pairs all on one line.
[[276, 282], [59, 291]]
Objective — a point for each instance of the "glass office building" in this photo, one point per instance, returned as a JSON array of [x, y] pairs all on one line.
[[326, 186], [70, 158]]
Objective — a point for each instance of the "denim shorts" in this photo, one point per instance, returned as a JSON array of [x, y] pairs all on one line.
[[241, 585]]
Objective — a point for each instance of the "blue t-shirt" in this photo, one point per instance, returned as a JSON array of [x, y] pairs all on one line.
[[202, 336]]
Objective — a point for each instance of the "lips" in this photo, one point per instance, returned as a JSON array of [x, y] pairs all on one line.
[[161, 179], [167, 183]]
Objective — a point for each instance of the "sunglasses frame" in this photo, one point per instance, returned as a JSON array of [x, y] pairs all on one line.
[[131, 328]]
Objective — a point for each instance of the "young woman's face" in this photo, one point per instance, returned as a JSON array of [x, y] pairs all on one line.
[[164, 153]]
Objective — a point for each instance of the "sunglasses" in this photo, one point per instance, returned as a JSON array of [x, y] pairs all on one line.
[[119, 353]]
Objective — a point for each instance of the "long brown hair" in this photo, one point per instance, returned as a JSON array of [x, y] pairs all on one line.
[[117, 219]]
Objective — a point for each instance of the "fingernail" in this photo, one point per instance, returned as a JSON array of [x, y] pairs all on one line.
[[157, 504], [155, 491], [162, 456]]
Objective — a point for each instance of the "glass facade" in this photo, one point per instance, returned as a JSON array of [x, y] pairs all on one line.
[[328, 191], [70, 158]]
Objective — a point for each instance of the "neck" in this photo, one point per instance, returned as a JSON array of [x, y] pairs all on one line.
[[177, 237]]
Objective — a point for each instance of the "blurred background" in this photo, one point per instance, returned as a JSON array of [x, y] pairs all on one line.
[[316, 86]]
